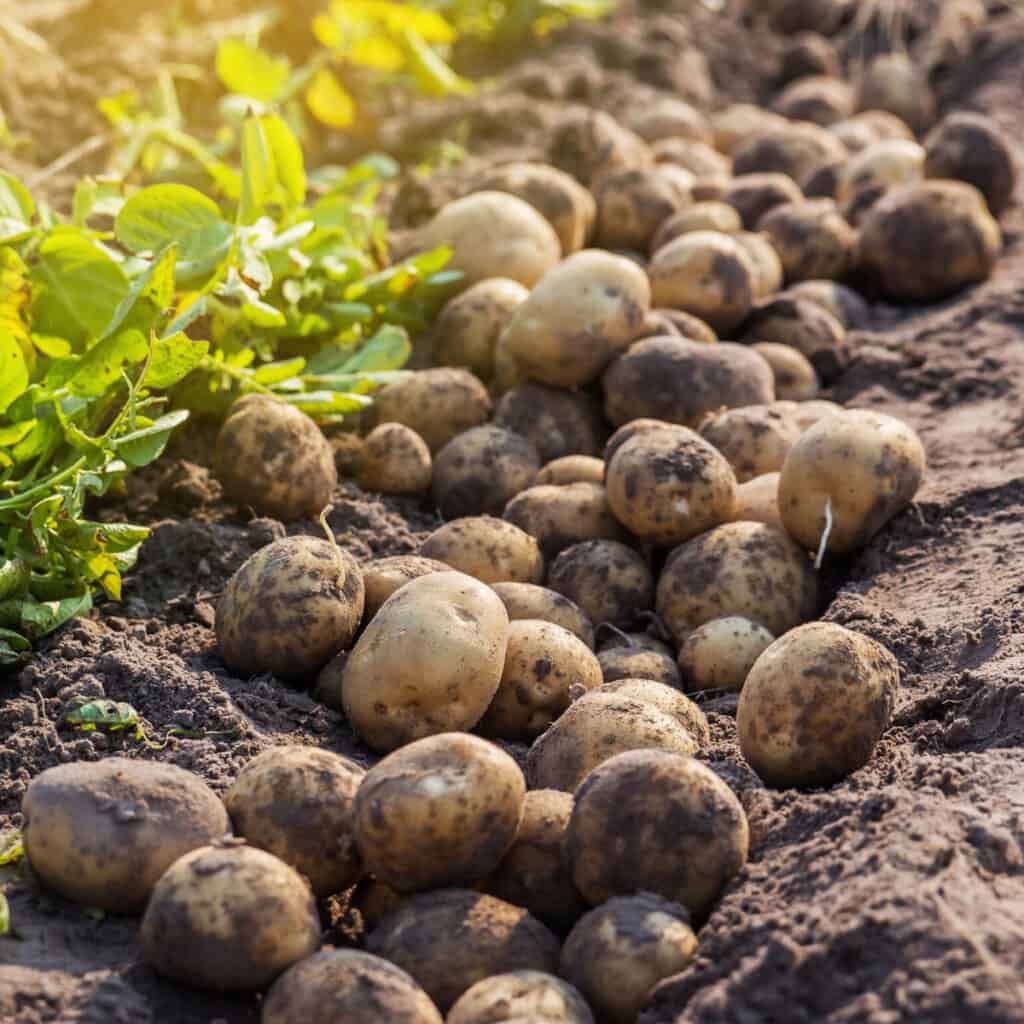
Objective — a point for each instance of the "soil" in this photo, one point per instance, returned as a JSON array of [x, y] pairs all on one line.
[[896, 895]]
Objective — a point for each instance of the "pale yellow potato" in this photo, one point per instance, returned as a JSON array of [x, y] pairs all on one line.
[[720, 654], [887, 163], [734, 125], [492, 550], [508, 374], [571, 469], [808, 413], [757, 501], [812, 239], [639, 663], [698, 158], [856, 135], [633, 204], [754, 439], [529, 601], [558, 516], [796, 149], [884, 124], [394, 460], [686, 325], [665, 698], [846, 305], [767, 262], [893, 84], [815, 704], [668, 117], [820, 99], [521, 996], [710, 215], [795, 377], [382, 577]]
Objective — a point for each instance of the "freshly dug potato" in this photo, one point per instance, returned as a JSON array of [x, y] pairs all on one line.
[[665, 698], [859, 205], [660, 822], [571, 469], [450, 939], [375, 900], [441, 811], [892, 83], [478, 471], [766, 262], [884, 164], [753, 195], [846, 305], [526, 996], [508, 374], [631, 429], [493, 234], [296, 803], [103, 832], [560, 516], [290, 608], [437, 403], [631, 662], [533, 874], [384, 576], [468, 327], [394, 460], [347, 985], [973, 148], [713, 215], [808, 54], [273, 458], [669, 118], [856, 135], [757, 501], [557, 422], [795, 377], [696, 157], [793, 149], [812, 239], [633, 204], [746, 569], [947, 219], [492, 550], [617, 953], [734, 125], [585, 311], [214, 901], [688, 326], [528, 601], [596, 727], [429, 662], [790, 16], [808, 413], [588, 144], [823, 181], [608, 580], [815, 704], [804, 325], [755, 439], [719, 654], [884, 124], [820, 99], [347, 448], [867, 465]]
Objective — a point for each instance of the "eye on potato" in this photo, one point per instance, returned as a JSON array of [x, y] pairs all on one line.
[[556, 422], [795, 377], [636, 662], [528, 601], [755, 439], [753, 195], [846, 305], [394, 460], [521, 996], [757, 501], [734, 125], [665, 698], [806, 326], [699, 159], [769, 273], [633, 204], [793, 149], [891, 83], [720, 654], [815, 704], [491, 550], [712, 215], [571, 469], [560, 516], [588, 144], [883, 164], [812, 239], [382, 577], [820, 99]]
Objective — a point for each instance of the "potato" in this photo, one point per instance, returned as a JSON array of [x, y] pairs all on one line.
[[528, 601], [450, 939], [557, 422], [468, 327], [101, 833], [660, 822], [790, 16], [665, 698], [884, 124], [892, 83], [571, 469], [707, 274], [584, 312], [492, 550], [633, 428], [617, 953], [347, 985], [347, 449], [629, 662], [521, 996], [820, 99], [747, 569], [238, 917], [886, 164], [375, 900], [972, 148], [478, 471], [755, 439], [668, 117], [296, 803], [437, 403], [757, 501], [567, 206], [493, 234], [696, 157], [810, 412], [806, 326], [394, 460], [289, 608], [713, 215], [795, 377], [793, 149], [633, 204], [273, 458], [596, 727], [508, 374], [441, 811], [811, 238], [765, 257], [734, 125], [753, 195], [688, 326], [823, 181], [867, 465], [533, 874], [846, 305], [560, 516], [588, 144], [807, 54], [719, 654], [428, 663], [815, 704], [608, 580], [859, 205], [384, 576]]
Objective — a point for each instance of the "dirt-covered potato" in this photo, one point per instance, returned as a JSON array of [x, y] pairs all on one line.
[[893, 84], [429, 662], [238, 917], [101, 833], [493, 234], [617, 953], [468, 328], [608, 580], [665, 698], [686, 325], [439, 812], [571, 469], [296, 803], [492, 550], [883, 164], [808, 54], [884, 124], [523, 996], [533, 873], [804, 325], [822, 182], [558, 516], [557, 422], [437, 403], [574, 322], [394, 460], [656, 821], [699, 159], [347, 447], [795, 377], [610, 638], [755, 439], [633, 204], [381, 578], [528, 601], [753, 195], [856, 135], [863, 465], [290, 608], [596, 727], [971, 147], [790, 16], [588, 144], [719, 654], [478, 471], [374, 900], [735, 124], [450, 939], [273, 458], [815, 704], [668, 117], [808, 413], [812, 239], [567, 206], [747, 569], [794, 149], [767, 264], [712, 215], [757, 501], [630, 662], [820, 99], [846, 305], [347, 985]]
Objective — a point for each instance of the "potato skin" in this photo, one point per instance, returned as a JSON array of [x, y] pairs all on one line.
[[383, 576], [720, 654], [394, 460], [273, 457], [755, 439], [807, 326], [819, 99], [102, 833], [892, 83], [710, 215], [812, 239], [794, 149], [846, 305], [521, 996], [734, 125], [560, 516], [428, 663], [296, 803], [656, 821], [795, 377], [638, 663], [558, 423], [769, 274], [815, 704], [868, 464], [665, 698], [633, 204], [884, 164], [571, 469], [491, 550], [757, 501], [588, 144], [688, 326], [228, 918], [347, 985], [753, 195], [290, 608], [529, 601]]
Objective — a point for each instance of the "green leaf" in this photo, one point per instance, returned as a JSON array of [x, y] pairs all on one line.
[[250, 71], [329, 101], [15, 200], [101, 366], [273, 373], [141, 447], [18, 643], [259, 177], [55, 348], [12, 848], [324, 402], [154, 288], [162, 214], [173, 359], [15, 432], [287, 155], [83, 202], [13, 369], [188, 316], [388, 349], [5, 910], [42, 617]]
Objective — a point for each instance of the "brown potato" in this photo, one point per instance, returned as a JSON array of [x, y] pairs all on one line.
[[375, 900], [492, 550], [571, 469], [795, 377], [384, 576], [820, 99], [823, 181], [102, 833], [347, 448], [560, 516], [557, 422], [790, 16], [633, 204], [806, 54], [668, 118], [815, 704], [855, 134], [892, 83], [755, 439], [528, 601], [588, 144], [290, 608], [712, 215], [806, 326], [665, 698], [720, 654], [811, 238], [635, 427], [613, 637], [525, 996], [660, 822], [394, 460], [884, 124], [884, 164], [753, 195], [696, 157], [688, 326], [214, 902], [846, 305], [273, 458], [608, 580], [734, 125], [629, 662], [794, 149], [757, 501], [766, 262]]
